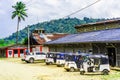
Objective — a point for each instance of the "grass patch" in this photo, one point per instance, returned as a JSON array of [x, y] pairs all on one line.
[[3, 58], [114, 75]]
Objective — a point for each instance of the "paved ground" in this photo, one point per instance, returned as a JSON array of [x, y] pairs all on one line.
[[17, 70]]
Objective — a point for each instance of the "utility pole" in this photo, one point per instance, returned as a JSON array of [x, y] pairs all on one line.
[[28, 41]]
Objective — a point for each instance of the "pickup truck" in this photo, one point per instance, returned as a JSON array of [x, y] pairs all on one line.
[[30, 58]]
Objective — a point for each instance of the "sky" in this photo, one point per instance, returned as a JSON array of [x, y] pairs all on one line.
[[46, 10]]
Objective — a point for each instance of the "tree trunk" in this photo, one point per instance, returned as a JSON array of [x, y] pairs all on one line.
[[17, 30]]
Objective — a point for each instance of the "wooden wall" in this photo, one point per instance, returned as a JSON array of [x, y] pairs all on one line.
[[97, 27]]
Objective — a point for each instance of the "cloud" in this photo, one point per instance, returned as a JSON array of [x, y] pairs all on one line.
[[2, 12], [44, 10], [102, 9]]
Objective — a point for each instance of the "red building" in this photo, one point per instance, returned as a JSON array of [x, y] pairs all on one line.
[[37, 40], [13, 51]]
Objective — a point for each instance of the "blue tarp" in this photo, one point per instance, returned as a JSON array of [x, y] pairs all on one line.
[[111, 35]]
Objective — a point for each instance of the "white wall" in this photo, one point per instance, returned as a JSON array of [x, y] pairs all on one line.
[[45, 49]]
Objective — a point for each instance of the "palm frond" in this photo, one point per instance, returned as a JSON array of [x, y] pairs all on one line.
[[23, 18], [13, 16], [20, 10], [24, 14]]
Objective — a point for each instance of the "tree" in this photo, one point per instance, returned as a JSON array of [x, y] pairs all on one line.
[[20, 12]]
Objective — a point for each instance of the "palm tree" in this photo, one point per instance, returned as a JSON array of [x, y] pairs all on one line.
[[20, 12]]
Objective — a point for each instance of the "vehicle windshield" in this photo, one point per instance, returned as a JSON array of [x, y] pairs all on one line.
[[50, 55], [70, 58], [60, 56], [27, 53], [104, 61]]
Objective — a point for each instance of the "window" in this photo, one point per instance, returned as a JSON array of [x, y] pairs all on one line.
[[21, 51], [62, 57], [42, 53], [10, 52], [37, 53], [58, 56], [50, 55], [104, 61], [15, 51]]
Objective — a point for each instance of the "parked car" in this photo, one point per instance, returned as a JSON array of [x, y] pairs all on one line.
[[30, 58]]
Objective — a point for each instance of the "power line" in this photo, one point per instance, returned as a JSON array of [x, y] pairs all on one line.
[[82, 9], [29, 3]]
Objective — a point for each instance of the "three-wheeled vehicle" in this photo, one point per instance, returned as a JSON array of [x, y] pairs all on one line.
[[72, 62], [95, 63], [60, 59], [51, 58]]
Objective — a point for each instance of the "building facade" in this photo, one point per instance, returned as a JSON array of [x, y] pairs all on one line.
[[13, 51], [36, 41], [97, 38], [39, 37]]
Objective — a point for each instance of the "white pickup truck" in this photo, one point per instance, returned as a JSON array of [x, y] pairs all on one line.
[[30, 58]]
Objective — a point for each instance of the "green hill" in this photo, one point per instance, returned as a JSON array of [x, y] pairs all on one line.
[[65, 25]]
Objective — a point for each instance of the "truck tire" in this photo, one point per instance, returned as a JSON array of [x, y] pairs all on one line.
[[27, 61], [47, 63], [31, 60], [67, 70]]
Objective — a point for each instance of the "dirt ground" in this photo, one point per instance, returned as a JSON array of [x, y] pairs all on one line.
[[15, 69]]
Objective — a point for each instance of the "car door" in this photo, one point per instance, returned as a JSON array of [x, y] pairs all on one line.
[[38, 56], [43, 56]]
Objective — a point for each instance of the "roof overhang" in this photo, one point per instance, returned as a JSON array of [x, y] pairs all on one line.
[[103, 36]]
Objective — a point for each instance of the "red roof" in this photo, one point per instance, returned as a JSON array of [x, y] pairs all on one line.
[[44, 37]]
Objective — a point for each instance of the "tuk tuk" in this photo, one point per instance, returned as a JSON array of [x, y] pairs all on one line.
[[95, 63], [72, 62], [51, 58], [60, 59]]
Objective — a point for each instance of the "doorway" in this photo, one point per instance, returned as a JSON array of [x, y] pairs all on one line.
[[21, 52], [10, 53], [112, 56]]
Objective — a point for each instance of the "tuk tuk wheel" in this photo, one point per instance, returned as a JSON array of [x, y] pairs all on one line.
[[31, 60], [50, 63], [72, 69], [62, 65], [47, 63], [67, 70], [82, 72], [105, 72]]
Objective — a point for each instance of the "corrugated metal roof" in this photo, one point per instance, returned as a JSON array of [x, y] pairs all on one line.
[[111, 35], [14, 46], [99, 23], [42, 38]]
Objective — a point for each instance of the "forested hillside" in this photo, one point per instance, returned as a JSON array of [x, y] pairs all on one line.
[[65, 25]]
